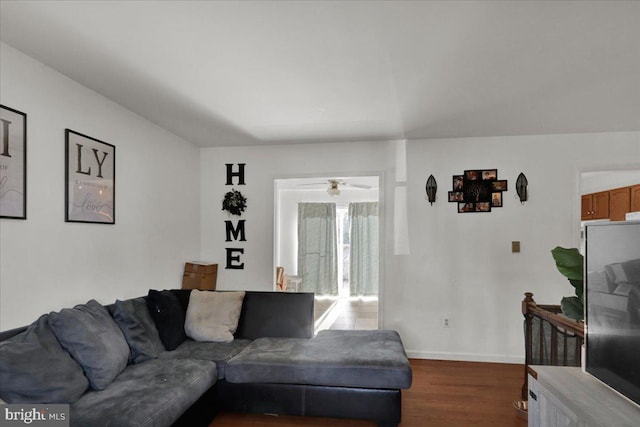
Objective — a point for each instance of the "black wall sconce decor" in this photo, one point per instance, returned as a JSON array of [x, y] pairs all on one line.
[[521, 188], [431, 188], [477, 190]]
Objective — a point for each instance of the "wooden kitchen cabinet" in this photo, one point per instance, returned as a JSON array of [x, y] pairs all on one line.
[[595, 206], [613, 204], [635, 198], [587, 206], [619, 203]]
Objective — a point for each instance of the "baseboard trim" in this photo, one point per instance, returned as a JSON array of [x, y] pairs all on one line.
[[465, 357]]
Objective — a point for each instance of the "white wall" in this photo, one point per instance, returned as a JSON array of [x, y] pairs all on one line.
[[459, 265], [47, 264]]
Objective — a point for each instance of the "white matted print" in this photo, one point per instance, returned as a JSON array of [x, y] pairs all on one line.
[[90, 179], [13, 163]]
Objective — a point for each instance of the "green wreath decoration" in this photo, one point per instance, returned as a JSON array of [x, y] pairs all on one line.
[[234, 202]]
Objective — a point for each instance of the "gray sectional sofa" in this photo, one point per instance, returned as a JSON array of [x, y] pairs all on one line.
[[131, 364]]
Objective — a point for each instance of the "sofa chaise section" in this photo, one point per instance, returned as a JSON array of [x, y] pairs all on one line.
[[365, 359], [341, 374]]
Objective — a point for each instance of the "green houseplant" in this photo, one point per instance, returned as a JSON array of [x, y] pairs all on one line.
[[569, 262]]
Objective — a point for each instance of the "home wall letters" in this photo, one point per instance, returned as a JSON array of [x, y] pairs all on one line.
[[235, 204]]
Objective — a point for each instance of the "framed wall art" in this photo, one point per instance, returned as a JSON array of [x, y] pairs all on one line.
[[90, 179], [13, 163], [477, 190]]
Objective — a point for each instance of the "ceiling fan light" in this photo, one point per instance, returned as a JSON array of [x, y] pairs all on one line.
[[333, 191], [333, 188]]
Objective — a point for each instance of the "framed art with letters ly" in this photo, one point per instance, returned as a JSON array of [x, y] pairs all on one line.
[[90, 193]]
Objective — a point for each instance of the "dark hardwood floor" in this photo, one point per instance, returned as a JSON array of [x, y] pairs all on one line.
[[443, 394]]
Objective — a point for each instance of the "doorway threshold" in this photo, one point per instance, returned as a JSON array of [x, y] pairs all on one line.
[[355, 313]]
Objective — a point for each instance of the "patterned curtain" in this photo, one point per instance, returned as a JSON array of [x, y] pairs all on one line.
[[317, 248], [363, 271]]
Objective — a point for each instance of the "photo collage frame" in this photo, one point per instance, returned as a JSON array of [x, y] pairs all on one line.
[[477, 190]]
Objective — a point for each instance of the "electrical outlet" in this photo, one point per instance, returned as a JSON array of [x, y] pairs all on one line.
[[445, 322]]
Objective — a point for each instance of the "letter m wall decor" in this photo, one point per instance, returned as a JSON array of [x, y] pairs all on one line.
[[90, 192]]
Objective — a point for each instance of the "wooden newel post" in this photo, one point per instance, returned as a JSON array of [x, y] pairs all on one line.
[[528, 332]]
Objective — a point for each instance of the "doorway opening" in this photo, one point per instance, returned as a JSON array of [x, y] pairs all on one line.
[[353, 204]]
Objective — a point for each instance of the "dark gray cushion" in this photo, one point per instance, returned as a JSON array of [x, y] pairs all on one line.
[[134, 320], [168, 316], [276, 314], [153, 393], [89, 333], [367, 359], [219, 352], [34, 368]]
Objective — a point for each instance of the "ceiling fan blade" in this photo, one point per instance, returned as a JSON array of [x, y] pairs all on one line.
[[367, 187]]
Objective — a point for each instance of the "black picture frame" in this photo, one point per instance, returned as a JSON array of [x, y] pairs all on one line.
[[473, 175], [456, 196], [489, 174], [458, 182], [483, 207], [464, 207], [90, 179], [477, 190], [496, 199], [13, 163], [499, 185]]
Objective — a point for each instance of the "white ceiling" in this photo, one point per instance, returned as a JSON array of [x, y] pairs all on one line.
[[244, 73]]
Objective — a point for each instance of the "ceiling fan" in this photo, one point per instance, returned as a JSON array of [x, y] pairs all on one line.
[[333, 189]]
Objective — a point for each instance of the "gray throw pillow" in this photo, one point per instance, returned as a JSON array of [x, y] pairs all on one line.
[[134, 320], [94, 340], [34, 368]]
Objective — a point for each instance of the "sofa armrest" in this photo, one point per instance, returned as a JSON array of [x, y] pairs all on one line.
[[5, 335]]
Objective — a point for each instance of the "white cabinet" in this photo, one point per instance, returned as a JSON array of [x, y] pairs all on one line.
[[545, 409], [566, 397]]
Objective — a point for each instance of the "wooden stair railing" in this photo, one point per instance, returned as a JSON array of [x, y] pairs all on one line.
[[550, 337]]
